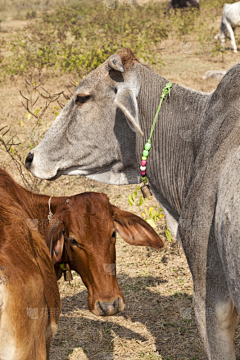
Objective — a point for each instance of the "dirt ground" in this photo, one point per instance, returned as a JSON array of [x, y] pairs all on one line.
[[158, 321]]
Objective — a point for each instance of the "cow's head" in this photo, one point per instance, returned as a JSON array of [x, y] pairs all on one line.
[[221, 37], [95, 133], [84, 235]]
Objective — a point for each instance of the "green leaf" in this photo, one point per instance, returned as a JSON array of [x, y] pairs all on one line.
[[140, 201], [130, 200], [151, 222], [168, 235], [153, 214], [133, 196]]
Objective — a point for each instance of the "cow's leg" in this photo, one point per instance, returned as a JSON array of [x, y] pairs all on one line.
[[222, 40], [214, 309], [221, 37], [217, 319], [50, 331], [231, 33], [227, 226], [48, 343]]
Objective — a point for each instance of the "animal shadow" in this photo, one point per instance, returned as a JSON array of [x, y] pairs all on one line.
[[169, 319]]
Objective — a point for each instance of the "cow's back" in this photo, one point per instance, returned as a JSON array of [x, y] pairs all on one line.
[[231, 13]]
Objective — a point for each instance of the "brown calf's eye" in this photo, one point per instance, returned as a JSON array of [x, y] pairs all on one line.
[[114, 234], [81, 99], [72, 241]]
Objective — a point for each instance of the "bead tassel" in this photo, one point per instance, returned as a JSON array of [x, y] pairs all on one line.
[[144, 160], [147, 146]]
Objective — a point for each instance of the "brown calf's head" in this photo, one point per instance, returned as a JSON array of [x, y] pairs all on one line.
[[84, 235]]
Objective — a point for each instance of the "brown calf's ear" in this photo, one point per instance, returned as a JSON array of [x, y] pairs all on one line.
[[135, 230], [55, 240]]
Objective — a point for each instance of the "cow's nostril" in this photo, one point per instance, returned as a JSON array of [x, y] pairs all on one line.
[[29, 160]]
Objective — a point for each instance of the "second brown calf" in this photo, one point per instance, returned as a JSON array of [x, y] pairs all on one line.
[[29, 295]]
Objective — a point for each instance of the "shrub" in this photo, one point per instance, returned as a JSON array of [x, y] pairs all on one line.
[[78, 39]]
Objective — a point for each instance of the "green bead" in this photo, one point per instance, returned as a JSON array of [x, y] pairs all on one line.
[[143, 178], [147, 146], [145, 153], [144, 158]]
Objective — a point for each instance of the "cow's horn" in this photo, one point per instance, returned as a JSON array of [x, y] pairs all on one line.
[[115, 63]]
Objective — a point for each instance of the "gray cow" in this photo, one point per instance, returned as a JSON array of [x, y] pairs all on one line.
[[193, 170]]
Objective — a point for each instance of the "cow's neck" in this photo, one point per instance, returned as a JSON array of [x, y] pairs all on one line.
[[35, 206], [172, 155]]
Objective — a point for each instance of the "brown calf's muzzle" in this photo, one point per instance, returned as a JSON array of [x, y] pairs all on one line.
[[105, 297], [102, 302], [109, 308]]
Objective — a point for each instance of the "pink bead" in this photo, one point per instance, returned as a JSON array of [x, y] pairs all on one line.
[[143, 173], [144, 162]]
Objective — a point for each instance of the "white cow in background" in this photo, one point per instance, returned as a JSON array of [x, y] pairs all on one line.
[[230, 20]]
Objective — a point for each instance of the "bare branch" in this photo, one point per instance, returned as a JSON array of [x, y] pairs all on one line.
[[46, 91], [6, 132], [30, 112], [61, 105], [35, 87], [35, 101], [72, 82], [66, 96], [23, 96], [3, 127]]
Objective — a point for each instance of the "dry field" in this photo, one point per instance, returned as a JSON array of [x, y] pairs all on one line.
[[158, 321]]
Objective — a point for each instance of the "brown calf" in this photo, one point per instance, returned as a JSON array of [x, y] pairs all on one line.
[[82, 235], [29, 296]]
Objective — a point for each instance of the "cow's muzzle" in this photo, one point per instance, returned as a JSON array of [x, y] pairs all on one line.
[[109, 308]]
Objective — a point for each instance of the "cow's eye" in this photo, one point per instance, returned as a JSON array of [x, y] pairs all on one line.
[[81, 99], [72, 241], [114, 234]]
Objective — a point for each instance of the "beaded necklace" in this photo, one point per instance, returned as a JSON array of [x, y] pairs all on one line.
[[144, 188]]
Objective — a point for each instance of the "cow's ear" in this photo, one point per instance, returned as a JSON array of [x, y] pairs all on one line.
[[135, 230], [55, 240], [127, 102]]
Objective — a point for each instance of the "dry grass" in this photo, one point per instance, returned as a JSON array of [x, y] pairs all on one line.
[[158, 321]]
